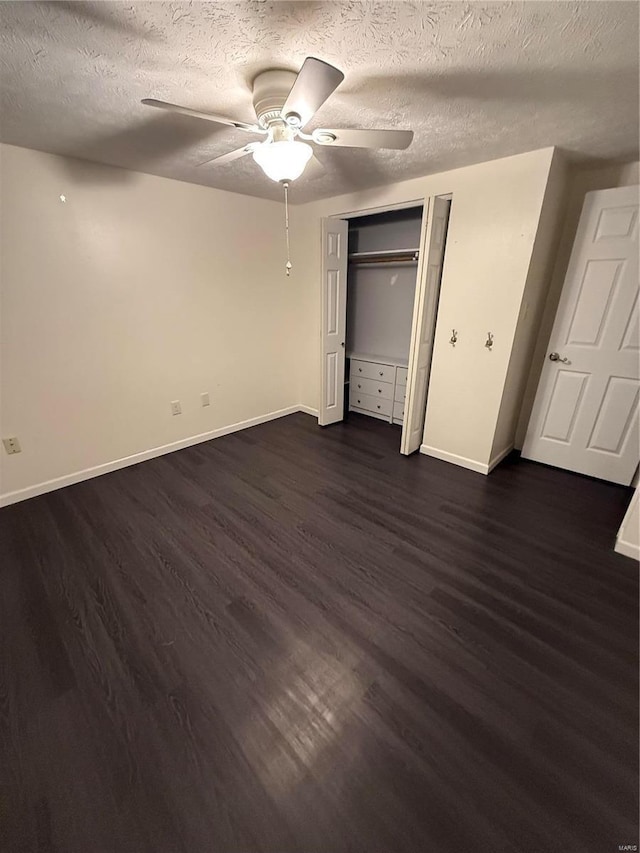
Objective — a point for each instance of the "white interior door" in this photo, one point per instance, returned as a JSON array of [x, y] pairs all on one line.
[[334, 319], [585, 415], [423, 325]]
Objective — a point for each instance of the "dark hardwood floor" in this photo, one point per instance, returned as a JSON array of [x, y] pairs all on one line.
[[295, 640]]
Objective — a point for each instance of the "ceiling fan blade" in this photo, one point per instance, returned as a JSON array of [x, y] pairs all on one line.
[[315, 82], [186, 111], [230, 156], [350, 137]]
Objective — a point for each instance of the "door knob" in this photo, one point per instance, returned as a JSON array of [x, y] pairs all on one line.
[[554, 356]]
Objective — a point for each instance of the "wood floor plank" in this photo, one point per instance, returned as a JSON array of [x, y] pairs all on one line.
[[295, 640]]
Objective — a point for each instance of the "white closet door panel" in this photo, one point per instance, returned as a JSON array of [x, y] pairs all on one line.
[[424, 312], [631, 338], [333, 319]]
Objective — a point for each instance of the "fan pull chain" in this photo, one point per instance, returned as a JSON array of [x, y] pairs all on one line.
[[286, 226]]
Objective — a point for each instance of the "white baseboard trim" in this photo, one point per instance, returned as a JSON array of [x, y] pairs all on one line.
[[497, 459], [308, 410], [628, 549], [462, 461], [87, 473]]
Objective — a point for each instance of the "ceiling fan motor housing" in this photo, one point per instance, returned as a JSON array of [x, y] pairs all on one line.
[[270, 90]]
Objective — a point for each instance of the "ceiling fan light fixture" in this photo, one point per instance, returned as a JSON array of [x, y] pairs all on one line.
[[284, 160]]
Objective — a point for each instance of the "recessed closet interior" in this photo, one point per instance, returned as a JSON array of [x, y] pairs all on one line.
[[381, 284]]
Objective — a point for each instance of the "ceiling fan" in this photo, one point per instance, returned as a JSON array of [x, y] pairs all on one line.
[[284, 104]]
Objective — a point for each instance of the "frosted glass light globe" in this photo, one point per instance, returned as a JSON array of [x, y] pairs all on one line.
[[284, 160]]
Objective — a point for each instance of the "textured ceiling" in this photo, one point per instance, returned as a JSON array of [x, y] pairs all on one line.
[[474, 80]]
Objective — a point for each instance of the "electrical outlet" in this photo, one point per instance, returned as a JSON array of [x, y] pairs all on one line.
[[176, 408], [11, 445], [204, 398]]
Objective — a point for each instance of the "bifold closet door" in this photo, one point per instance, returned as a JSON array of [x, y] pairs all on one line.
[[334, 319], [423, 325]]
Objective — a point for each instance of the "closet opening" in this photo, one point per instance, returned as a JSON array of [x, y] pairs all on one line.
[[381, 274], [382, 266]]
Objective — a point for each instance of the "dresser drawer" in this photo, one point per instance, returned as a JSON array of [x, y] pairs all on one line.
[[384, 390], [401, 394], [398, 411], [371, 404], [401, 375], [371, 370]]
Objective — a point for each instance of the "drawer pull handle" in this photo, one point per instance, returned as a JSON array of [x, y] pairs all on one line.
[[358, 400], [378, 406], [379, 390], [359, 386], [360, 369], [382, 373]]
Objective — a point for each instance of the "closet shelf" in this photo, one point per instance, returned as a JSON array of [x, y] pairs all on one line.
[[386, 256]]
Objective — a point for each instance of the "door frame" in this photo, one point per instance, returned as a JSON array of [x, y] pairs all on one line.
[[424, 203]]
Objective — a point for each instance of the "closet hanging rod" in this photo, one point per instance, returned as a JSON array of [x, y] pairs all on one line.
[[386, 256], [390, 262]]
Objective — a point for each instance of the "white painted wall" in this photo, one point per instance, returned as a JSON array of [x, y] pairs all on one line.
[[628, 538], [495, 214], [531, 307], [580, 182], [137, 291], [140, 290]]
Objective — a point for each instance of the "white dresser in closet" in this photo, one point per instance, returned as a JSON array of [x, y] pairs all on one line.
[[378, 386]]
